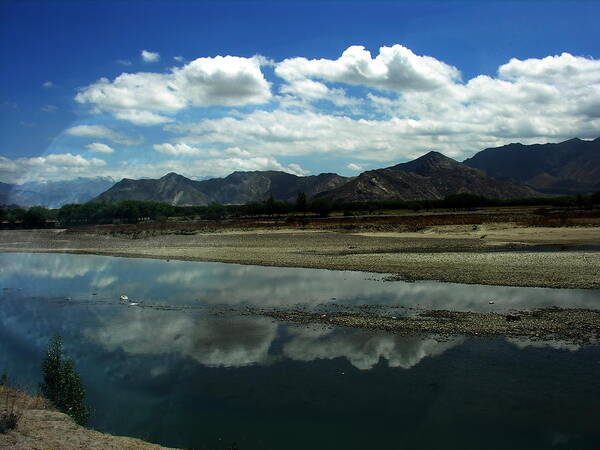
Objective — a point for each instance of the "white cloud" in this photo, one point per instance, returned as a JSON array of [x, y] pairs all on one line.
[[395, 68], [43, 168], [228, 81], [124, 62], [310, 90], [354, 167], [150, 57], [99, 147], [180, 149], [48, 108], [48, 84], [100, 132], [536, 100], [200, 168], [138, 117], [179, 58], [286, 133]]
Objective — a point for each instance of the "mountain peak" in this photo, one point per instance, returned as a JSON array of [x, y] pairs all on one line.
[[172, 176], [426, 164]]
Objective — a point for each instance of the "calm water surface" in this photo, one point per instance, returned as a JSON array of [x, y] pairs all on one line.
[[192, 378]]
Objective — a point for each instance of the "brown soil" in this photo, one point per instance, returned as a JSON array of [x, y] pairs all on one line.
[[42, 427]]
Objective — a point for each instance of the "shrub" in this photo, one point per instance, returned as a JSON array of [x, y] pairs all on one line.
[[9, 414], [62, 384]]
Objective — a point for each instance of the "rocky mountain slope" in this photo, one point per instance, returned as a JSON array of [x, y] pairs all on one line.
[[172, 188], [568, 167], [432, 176], [237, 188]]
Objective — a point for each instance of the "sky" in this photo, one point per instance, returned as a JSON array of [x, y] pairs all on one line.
[[134, 89]]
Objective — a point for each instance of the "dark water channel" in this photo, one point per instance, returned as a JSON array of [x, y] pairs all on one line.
[[204, 377]]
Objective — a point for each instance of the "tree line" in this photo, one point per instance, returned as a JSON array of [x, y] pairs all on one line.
[[134, 211]]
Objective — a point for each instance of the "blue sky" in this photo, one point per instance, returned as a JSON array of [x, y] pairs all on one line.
[[304, 87]]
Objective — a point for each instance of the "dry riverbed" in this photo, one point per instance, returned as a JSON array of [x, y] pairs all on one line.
[[577, 326], [494, 254]]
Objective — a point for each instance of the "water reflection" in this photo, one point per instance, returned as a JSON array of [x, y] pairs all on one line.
[[195, 283], [212, 342], [364, 350], [206, 380]]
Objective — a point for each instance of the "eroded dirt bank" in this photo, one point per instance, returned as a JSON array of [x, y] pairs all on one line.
[[42, 427]]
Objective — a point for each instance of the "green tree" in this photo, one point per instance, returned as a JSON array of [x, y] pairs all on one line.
[[62, 384], [322, 207], [15, 215], [301, 202], [35, 217]]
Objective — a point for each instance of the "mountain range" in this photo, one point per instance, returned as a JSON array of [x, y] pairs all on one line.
[[509, 171], [237, 188], [53, 194], [432, 176], [568, 167]]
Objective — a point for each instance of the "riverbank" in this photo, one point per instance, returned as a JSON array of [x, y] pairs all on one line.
[[502, 254], [42, 427], [575, 326]]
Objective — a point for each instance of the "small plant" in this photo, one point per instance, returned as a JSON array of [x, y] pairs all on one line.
[[62, 384], [9, 414]]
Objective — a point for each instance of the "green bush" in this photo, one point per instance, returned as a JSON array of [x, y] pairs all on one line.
[[62, 385]]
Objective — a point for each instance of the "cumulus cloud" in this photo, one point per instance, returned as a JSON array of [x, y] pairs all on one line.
[[138, 117], [124, 62], [99, 147], [100, 132], [179, 58], [395, 68], [286, 133], [150, 57], [310, 90], [178, 149], [536, 100], [47, 84], [51, 167], [137, 97], [354, 167]]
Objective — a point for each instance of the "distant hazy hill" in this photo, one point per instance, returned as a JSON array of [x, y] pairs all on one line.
[[432, 176], [565, 168], [239, 187], [5, 190], [54, 194]]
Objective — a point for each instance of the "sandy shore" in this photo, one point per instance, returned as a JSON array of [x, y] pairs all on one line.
[[498, 254]]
